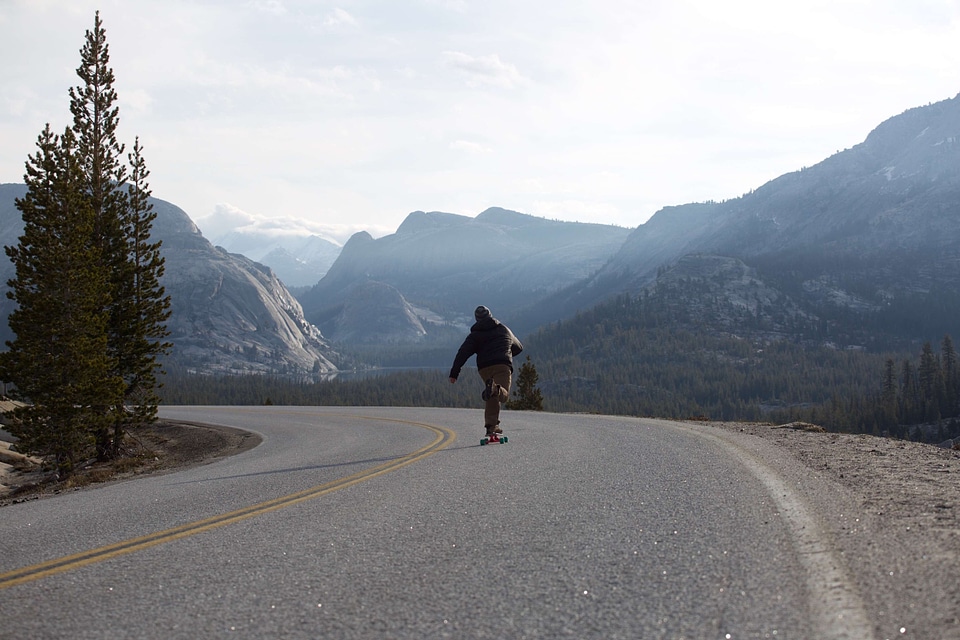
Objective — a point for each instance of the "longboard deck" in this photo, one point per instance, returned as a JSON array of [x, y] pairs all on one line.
[[494, 439]]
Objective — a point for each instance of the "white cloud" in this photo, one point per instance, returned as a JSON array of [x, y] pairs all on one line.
[[229, 219], [275, 7], [138, 100], [225, 217], [459, 6], [469, 147], [481, 70], [354, 114], [340, 18]]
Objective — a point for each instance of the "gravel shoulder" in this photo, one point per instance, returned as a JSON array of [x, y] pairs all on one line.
[[890, 506], [891, 510]]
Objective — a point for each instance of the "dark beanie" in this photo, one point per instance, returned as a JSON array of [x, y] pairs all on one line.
[[481, 312]]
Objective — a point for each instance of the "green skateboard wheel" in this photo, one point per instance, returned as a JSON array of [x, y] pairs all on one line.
[[503, 439], [483, 441]]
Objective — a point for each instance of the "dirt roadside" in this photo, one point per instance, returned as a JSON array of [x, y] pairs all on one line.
[[892, 508], [158, 448], [892, 511]]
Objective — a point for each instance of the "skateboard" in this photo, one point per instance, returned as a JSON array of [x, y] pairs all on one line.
[[496, 438]]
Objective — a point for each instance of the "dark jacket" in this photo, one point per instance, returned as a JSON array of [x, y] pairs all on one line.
[[491, 341]]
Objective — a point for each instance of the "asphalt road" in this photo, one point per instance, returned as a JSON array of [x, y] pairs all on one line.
[[395, 523]]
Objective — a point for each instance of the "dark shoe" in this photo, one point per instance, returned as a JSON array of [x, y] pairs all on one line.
[[497, 429], [491, 430], [488, 391]]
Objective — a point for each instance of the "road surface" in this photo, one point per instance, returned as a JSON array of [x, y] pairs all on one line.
[[395, 523]]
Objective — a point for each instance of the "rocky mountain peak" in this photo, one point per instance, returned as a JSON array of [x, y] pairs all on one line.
[[421, 222], [229, 314]]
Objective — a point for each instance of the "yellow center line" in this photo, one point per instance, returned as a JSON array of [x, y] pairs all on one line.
[[444, 437]]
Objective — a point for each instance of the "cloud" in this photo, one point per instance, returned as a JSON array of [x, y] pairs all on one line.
[[490, 70], [458, 6], [349, 112], [229, 220], [469, 147], [339, 18], [224, 219], [275, 7], [138, 100]]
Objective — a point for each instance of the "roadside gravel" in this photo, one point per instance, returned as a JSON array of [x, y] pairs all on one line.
[[891, 509]]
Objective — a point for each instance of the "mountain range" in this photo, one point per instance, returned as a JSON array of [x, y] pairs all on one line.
[[298, 260], [229, 314], [868, 239], [423, 282], [871, 235], [860, 249]]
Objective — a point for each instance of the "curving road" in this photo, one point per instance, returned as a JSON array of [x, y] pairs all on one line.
[[395, 523]]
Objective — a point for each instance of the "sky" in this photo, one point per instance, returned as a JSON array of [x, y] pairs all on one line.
[[346, 115]]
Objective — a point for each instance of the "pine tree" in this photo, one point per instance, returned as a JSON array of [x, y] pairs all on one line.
[[112, 311], [124, 216], [951, 377], [527, 395], [95, 121], [909, 395], [141, 308], [888, 398], [58, 361], [931, 383]]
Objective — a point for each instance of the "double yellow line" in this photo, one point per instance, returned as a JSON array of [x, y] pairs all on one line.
[[13, 578]]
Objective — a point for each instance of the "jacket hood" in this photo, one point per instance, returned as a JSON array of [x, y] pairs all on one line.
[[485, 324]]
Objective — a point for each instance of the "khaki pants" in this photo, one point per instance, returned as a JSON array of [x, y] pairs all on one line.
[[501, 375]]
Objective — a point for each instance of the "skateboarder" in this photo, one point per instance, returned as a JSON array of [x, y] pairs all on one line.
[[494, 345]]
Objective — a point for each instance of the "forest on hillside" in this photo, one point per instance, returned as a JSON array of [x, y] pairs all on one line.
[[631, 357]]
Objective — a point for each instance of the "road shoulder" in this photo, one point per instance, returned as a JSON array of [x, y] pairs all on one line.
[[162, 447], [890, 509]]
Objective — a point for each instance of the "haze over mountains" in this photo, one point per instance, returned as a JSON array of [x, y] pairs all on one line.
[[299, 252], [863, 245]]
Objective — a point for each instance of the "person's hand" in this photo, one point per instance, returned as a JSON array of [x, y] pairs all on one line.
[[453, 381]]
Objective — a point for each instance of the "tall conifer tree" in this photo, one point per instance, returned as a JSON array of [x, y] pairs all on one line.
[[86, 244], [138, 308], [142, 307], [95, 120], [59, 360]]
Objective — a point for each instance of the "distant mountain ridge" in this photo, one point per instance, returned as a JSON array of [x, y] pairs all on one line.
[[228, 313], [298, 260], [425, 279], [872, 232], [894, 193], [861, 247], [868, 237]]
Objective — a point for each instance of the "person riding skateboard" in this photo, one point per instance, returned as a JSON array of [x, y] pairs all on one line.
[[495, 346]]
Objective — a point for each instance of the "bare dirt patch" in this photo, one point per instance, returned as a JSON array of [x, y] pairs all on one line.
[[158, 448]]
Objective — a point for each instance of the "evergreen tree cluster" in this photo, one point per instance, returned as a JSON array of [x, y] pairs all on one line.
[[526, 393], [916, 400], [634, 356], [637, 355], [90, 312]]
